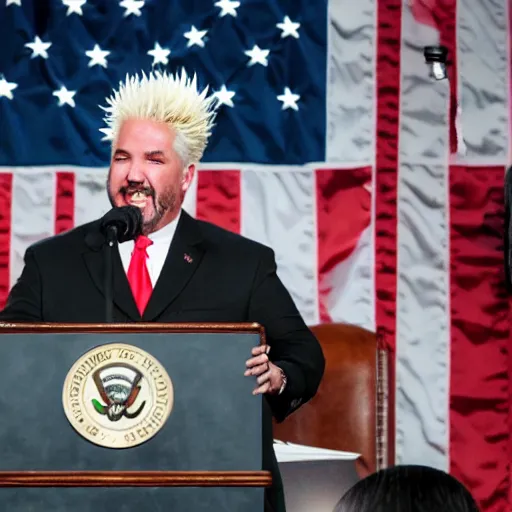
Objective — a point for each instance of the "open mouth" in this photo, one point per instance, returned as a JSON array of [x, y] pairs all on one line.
[[137, 198]]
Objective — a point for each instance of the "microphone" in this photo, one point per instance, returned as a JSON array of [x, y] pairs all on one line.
[[118, 225], [121, 224]]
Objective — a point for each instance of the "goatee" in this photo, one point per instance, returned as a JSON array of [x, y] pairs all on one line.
[[162, 204]]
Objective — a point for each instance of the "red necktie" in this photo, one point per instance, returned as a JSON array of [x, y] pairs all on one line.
[[138, 275]]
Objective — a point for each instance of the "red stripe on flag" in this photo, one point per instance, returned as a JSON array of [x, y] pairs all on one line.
[[341, 195], [218, 198], [446, 14], [480, 331], [65, 202], [389, 15], [509, 63], [5, 235]]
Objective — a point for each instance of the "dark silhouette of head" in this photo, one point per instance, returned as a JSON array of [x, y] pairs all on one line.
[[408, 488]]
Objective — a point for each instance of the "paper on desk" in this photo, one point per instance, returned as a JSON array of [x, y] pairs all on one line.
[[290, 452]]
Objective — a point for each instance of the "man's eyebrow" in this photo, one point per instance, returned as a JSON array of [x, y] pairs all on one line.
[[121, 151], [156, 152]]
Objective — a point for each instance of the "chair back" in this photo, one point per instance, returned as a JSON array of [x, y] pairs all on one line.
[[350, 410]]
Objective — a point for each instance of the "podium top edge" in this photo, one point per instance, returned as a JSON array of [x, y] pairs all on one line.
[[135, 479], [135, 327]]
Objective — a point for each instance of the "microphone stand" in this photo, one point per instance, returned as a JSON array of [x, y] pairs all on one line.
[[119, 224], [111, 239]]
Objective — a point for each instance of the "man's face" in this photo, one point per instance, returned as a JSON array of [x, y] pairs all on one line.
[[146, 172]]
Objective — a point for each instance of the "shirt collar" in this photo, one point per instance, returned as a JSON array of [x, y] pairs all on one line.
[[166, 233]]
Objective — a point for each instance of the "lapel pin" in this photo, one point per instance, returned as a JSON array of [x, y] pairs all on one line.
[[187, 258]]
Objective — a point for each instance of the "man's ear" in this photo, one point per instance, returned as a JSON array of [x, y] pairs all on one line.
[[188, 176]]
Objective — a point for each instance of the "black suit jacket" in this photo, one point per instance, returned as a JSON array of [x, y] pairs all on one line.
[[229, 279]]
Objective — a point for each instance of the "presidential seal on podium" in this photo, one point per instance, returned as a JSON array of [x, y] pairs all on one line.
[[117, 396]]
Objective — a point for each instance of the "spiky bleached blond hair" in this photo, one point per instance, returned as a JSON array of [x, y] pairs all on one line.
[[166, 98]]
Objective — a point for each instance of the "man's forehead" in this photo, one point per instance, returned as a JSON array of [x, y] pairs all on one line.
[[142, 136], [148, 152]]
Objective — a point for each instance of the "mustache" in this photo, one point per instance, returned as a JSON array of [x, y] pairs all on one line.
[[148, 191]]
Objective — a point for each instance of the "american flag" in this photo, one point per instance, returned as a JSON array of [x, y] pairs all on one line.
[[379, 187]]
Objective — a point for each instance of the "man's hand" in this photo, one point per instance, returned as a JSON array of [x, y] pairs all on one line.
[[269, 376]]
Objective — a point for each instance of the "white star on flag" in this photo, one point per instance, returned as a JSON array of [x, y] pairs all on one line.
[[12, 2], [224, 97], [107, 133], [132, 7], [195, 36], [38, 48], [289, 99], [65, 96], [97, 56], [257, 55], [288, 28], [228, 7], [6, 88], [159, 54], [74, 6]]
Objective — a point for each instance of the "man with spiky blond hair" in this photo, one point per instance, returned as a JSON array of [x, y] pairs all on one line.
[[178, 269], [166, 114]]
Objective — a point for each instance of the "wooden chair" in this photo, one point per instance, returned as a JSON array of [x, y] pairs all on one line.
[[351, 410]]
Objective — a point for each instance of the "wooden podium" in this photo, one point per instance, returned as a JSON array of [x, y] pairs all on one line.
[[205, 455]]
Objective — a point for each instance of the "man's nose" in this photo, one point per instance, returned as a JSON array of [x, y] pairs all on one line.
[[135, 175]]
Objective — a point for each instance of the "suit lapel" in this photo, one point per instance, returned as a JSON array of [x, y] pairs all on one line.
[[183, 258], [94, 259]]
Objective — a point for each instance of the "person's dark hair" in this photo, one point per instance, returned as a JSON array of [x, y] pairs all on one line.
[[408, 488]]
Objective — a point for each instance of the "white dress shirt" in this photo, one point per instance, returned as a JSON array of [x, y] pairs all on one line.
[[157, 251]]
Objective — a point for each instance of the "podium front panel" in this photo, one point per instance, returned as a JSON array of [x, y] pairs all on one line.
[[215, 423], [157, 499]]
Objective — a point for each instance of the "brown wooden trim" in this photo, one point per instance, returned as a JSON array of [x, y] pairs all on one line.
[[135, 479], [391, 408], [263, 336], [135, 327]]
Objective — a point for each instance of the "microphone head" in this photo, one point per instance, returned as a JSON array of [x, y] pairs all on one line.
[[125, 221]]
